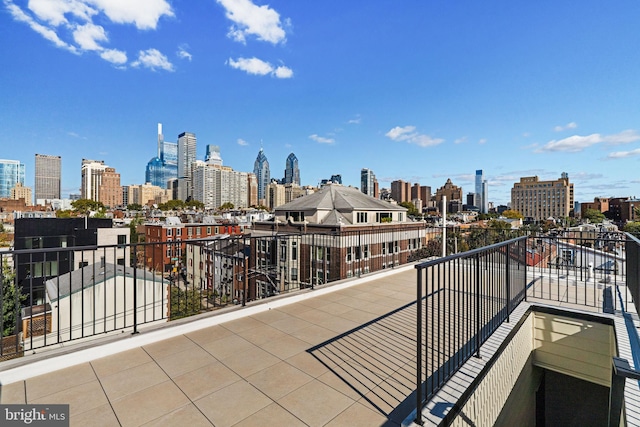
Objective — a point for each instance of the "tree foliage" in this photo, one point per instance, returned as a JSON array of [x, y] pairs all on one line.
[[134, 207], [86, 206], [226, 206], [411, 208], [12, 299], [633, 228], [512, 214], [594, 216], [184, 303]]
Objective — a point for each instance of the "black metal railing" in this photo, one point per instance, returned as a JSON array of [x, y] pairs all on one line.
[[579, 268], [461, 301], [55, 295]]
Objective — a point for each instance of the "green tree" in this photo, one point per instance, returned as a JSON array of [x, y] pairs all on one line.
[[226, 206], [184, 303], [134, 207], [172, 205], [633, 228], [496, 224], [594, 216], [486, 216], [12, 299], [86, 206], [195, 204], [411, 209], [64, 213], [512, 214]]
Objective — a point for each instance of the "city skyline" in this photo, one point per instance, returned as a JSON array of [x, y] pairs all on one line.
[[418, 92]]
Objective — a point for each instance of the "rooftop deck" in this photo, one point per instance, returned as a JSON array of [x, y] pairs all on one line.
[[343, 355]]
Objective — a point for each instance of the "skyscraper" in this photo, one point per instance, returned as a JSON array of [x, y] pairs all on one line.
[[92, 171], [212, 156], [48, 173], [478, 199], [291, 171], [11, 173], [261, 170], [368, 183], [186, 156], [163, 167]]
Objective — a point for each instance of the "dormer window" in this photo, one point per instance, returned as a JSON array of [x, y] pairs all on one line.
[[296, 216]]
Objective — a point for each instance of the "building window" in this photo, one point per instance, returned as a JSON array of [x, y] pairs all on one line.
[[168, 232], [319, 253], [362, 217], [198, 231], [45, 269], [328, 250], [366, 251], [189, 231], [358, 252], [295, 216], [120, 261], [294, 251], [122, 239], [349, 254], [294, 274]]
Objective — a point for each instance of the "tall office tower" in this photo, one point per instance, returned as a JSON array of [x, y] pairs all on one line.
[[11, 173], [48, 173], [216, 185], [401, 191], [485, 197], [164, 167], [92, 171], [110, 191], [541, 200], [186, 156], [252, 190], [291, 171], [368, 182], [479, 201], [261, 171], [212, 156]]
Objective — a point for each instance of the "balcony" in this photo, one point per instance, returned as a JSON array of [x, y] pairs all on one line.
[[344, 353]]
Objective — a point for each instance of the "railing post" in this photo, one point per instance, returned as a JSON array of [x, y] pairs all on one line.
[[418, 419], [508, 281], [135, 290], [478, 323]]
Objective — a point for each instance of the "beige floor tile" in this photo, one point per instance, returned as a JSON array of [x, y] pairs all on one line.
[[358, 316], [249, 362], [232, 404], [261, 334], [48, 384], [313, 315], [228, 346], [314, 334], [335, 308], [188, 415], [337, 324], [13, 393], [148, 404], [120, 362], [133, 380], [272, 415], [285, 346], [279, 380], [101, 416], [80, 398], [307, 364], [206, 335], [315, 403], [242, 324], [270, 316], [169, 346], [358, 415], [185, 361], [390, 398], [290, 324], [336, 382], [206, 380]]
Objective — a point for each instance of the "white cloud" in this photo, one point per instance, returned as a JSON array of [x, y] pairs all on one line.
[[482, 141], [114, 56], [242, 142], [355, 121], [321, 140], [252, 20], [568, 126], [49, 34], [87, 36], [153, 59], [76, 18], [183, 54], [144, 14], [577, 143], [624, 154], [460, 140], [283, 72], [407, 133], [259, 67]]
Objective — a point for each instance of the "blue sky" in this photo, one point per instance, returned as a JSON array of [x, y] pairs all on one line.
[[414, 90]]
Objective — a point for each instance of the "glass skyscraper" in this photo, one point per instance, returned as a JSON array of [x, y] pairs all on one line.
[[291, 171], [11, 173], [164, 166], [261, 170]]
